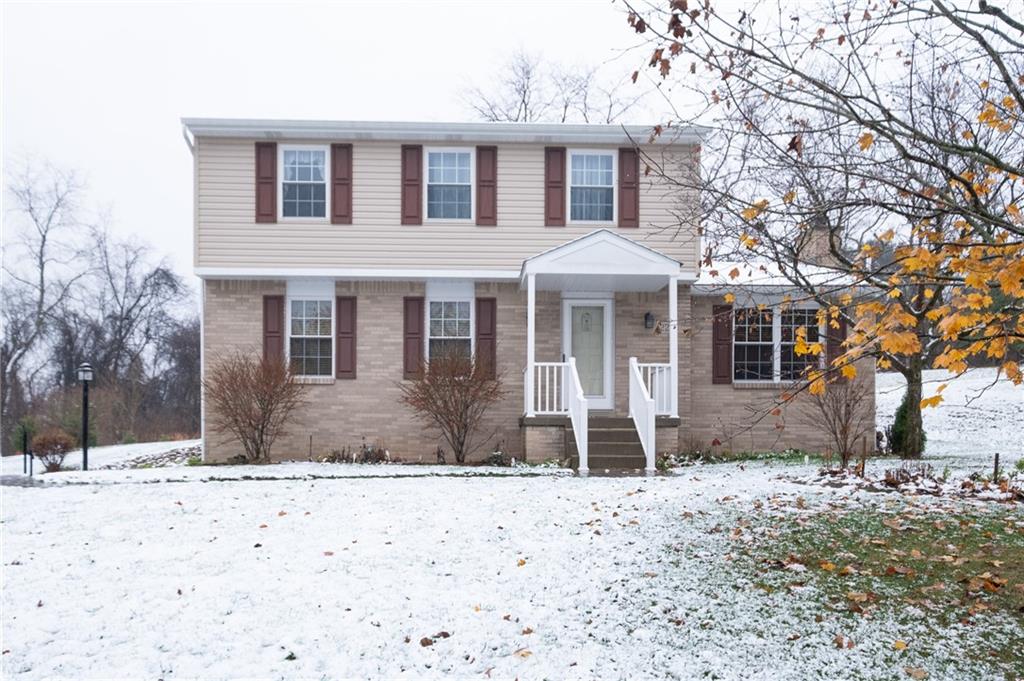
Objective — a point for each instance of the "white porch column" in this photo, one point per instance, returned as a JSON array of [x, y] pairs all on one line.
[[673, 342], [531, 299]]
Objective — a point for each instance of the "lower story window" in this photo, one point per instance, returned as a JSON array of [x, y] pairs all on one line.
[[310, 347], [449, 327], [764, 343], [795, 366], [753, 350]]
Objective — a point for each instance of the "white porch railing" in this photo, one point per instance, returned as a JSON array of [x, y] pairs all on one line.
[[577, 404], [557, 390], [642, 411], [549, 388], [658, 379]]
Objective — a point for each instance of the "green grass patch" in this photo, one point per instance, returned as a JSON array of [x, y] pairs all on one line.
[[961, 569]]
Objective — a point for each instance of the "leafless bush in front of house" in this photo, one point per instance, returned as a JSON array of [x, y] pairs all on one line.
[[453, 393], [843, 412], [252, 400]]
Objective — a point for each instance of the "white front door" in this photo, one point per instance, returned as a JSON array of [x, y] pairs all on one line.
[[587, 335]]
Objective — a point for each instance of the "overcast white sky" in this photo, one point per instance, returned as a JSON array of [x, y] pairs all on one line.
[[100, 87]]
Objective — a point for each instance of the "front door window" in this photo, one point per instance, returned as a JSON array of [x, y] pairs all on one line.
[[588, 347]]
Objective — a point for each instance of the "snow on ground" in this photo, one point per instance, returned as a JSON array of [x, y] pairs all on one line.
[[102, 456], [978, 417], [551, 576]]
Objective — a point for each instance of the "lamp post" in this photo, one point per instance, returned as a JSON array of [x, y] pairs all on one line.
[[85, 376]]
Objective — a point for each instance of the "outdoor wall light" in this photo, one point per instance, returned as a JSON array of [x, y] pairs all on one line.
[[648, 320]]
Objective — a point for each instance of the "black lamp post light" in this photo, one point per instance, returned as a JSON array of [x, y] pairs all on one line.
[[85, 376]]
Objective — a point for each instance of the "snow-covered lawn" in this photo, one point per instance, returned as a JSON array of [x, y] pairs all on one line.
[[100, 457], [501, 577], [978, 417]]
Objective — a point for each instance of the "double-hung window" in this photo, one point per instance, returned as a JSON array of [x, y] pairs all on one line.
[[450, 328], [764, 343], [449, 184], [792, 365], [311, 332], [591, 186], [753, 348], [303, 182]]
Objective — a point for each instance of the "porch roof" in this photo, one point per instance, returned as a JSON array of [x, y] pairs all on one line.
[[600, 261]]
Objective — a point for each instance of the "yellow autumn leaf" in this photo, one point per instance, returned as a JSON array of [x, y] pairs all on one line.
[[828, 566], [886, 236], [900, 645], [932, 401], [817, 384], [730, 298], [865, 141], [983, 85], [789, 196], [967, 135], [521, 562], [848, 371], [755, 210]]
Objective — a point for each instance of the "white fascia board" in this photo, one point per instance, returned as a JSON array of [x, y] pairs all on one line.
[[351, 273], [444, 133]]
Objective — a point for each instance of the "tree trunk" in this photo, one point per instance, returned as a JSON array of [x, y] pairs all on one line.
[[913, 441]]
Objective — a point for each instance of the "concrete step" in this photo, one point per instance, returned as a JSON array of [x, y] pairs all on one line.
[[610, 422], [611, 462], [616, 449], [595, 435]]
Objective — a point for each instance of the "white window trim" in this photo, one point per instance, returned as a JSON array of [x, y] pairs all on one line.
[[288, 345], [614, 153], [776, 378], [326, 149], [449, 299], [427, 151]]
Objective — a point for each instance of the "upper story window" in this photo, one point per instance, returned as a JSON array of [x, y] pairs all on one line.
[[591, 186], [303, 182], [449, 184], [764, 342]]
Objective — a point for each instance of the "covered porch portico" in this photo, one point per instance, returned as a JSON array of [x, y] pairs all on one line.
[[589, 274]]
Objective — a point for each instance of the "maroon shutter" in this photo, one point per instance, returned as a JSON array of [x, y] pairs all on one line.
[[487, 336], [273, 327], [834, 340], [345, 338], [629, 187], [554, 186], [341, 184], [721, 344], [487, 186], [266, 182], [412, 348], [412, 184]]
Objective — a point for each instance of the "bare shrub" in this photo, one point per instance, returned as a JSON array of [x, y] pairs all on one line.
[[843, 412], [452, 393], [50, 447], [252, 400]]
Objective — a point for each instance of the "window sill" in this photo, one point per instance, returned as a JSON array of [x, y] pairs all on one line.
[[764, 385], [304, 221], [315, 380]]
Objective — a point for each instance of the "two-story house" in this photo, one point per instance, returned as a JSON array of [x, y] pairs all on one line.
[[356, 250]]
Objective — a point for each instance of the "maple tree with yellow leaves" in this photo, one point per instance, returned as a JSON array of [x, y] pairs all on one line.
[[880, 141]]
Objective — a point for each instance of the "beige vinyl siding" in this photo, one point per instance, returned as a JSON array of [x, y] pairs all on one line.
[[228, 236]]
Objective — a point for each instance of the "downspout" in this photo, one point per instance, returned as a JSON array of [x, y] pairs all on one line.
[[190, 143]]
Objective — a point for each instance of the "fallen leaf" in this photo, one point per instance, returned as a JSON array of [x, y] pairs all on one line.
[[523, 652], [521, 562], [328, 553], [281, 513], [527, 631], [900, 645], [827, 566], [916, 672], [425, 641]]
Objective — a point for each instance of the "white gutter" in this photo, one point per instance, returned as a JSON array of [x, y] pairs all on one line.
[[397, 131]]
